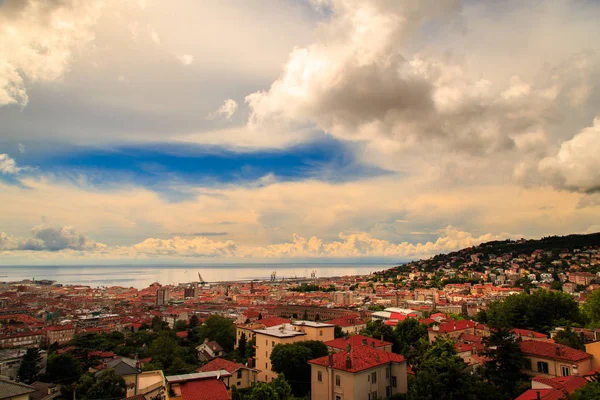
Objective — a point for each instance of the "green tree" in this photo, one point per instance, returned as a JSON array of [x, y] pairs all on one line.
[[378, 330], [30, 366], [260, 316], [282, 388], [338, 332], [194, 321], [505, 361], [408, 332], [591, 391], [591, 308], [108, 385], [305, 315], [242, 345], [221, 330], [292, 360], [540, 311], [164, 349], [180, 326], [250, 350], [263, 391], [63, 368], [569, 338], [442, 375], [178, 367]]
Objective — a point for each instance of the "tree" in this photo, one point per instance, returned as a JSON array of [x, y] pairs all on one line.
[[178, 367], [180, 326], [108, 385], [164, 349], [260, 316], [292, 360], [194, 321], [591, 308], [282, 387], [540, 311], [242, 345], [221, 330], [569, 338], [30, 366], [338, 332], [317, 317], [305, 315], [506, 360], [263, 391], [591, 391], [63, 368], [250, 348], [159, 325], [407, 333], [378, 330]]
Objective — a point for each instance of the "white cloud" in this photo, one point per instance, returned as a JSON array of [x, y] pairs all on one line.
[[186, 59], [8, 166], [47, 238], [576, 166], [21, 148], [38, 40], [227, 109]]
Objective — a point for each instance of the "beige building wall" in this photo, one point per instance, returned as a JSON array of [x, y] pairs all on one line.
[[322, 334], [264, 346], [594, 349], [243, 378], [555, 367], [358, 386]]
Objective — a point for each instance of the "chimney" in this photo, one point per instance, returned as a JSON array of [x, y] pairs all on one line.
[[348, 348], [331, 359], [364, 341], [373, 344], [348, 362], [558, 350], [537, 395]]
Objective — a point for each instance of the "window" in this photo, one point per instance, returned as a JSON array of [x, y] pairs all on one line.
[[267, 354], [542, 367], [338, 397], [565, 371], [394, 381], [374, 377], [388, 391], [321, 332], [319, 376], [273, 344], [267, 342], [337, 380], [372, 395], [239, 374]]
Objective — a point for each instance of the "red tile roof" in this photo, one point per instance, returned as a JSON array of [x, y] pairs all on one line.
[[559, 388], [552, 351], [529, 333], [453, 326], [358, 359], [355, 341], [218, 364], [347, 320], [273, 321], [204, 389]]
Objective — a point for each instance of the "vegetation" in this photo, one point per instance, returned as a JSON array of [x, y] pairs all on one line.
[[304, 288], [539, 311], [591, 391], [569, 338], [292, 360], [30, 366]]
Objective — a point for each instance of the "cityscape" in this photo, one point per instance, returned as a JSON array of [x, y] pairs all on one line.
[[299, 200]]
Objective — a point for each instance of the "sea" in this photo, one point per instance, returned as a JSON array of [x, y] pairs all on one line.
[[140, 276]]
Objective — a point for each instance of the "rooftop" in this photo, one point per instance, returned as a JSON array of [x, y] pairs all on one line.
[[356, 341], [205, 389], [359, 358], [552, 351]]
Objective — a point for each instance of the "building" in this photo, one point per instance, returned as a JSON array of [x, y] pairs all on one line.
[[350, 324], [22, 339], [340, 344], [361, 372], [209, 350], [452, 329], [554, 360], [14, 391], [526, 334], [150, 384], [248, 329], [552, 388], [267, 339], [191, 291], [199, 386], [242, 376], [127, 368], [10, 361], [60, 334], [162, 296]]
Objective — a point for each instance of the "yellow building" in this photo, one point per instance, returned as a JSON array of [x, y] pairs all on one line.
[[360, 373], [242, 376], [10, 390], [267, 339], [554, 360]]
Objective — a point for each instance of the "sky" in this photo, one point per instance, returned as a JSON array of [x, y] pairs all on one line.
[[293, 130]]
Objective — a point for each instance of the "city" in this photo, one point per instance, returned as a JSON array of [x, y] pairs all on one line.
[[340, 337]]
